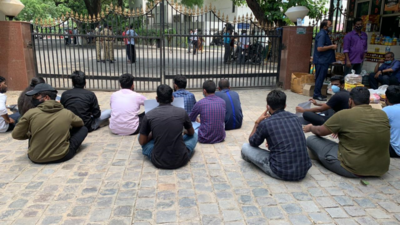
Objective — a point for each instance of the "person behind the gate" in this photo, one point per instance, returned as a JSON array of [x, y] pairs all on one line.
[[47, 126], [84, 103], [161, 133]]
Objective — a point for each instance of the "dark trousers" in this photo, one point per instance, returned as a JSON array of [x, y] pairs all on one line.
[[321, 70], [383, 79], [318, 119], [15, 117], [393, 153], [140, 123], [66, 41], [327, 153], [78, 135], [356, 67], [195, 43], [227, 52], [132, 53]]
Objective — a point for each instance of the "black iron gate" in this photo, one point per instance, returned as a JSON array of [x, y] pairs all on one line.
[[163, 44]]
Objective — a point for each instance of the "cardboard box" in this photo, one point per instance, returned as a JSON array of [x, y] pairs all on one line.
[[299, 79], [308, 90]]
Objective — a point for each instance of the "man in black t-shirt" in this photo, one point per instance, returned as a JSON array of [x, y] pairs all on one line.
[[161, 133], [339, 101]]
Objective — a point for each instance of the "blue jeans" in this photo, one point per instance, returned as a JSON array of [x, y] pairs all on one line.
[[15, 117], [258, 157], [190, 142], [105, 115], [321, 70]]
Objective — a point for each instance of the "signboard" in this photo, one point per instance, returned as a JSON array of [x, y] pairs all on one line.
[[301, 30], [374, 56], [392, 5]]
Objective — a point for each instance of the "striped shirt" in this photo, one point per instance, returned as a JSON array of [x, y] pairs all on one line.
[[188, 97], [289, 158], [212, 115]]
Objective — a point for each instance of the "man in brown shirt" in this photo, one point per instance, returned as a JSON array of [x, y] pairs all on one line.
[[364, 136]]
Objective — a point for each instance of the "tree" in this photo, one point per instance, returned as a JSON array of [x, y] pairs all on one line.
[[40, 9], [274, 10]]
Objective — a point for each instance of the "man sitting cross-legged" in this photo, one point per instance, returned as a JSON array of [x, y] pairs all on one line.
[[339, 101], [161, 133], [212, 115], [364, 135], [233, 115], [287, 158], [48, 128], [84, 103], [125, 106]]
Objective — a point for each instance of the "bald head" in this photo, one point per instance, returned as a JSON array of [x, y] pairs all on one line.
[[223, 84]]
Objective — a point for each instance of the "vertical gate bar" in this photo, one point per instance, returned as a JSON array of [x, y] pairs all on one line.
[[162, 48], [34, 49], [46, 54]]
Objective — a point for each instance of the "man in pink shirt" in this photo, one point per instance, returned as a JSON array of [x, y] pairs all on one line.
[[125, 104]]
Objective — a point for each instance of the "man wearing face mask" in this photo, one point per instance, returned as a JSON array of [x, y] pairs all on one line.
[[339, 101], [324, 55], [388, 73], [287, 158], [48, 128], [364, 136], [355, 45]]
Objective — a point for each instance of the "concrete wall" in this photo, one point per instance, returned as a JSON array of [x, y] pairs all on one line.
[[2, 17]]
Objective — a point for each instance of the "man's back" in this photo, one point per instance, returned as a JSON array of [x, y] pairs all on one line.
[[393, 112], [364, 135], [166, 123], [339, 101], [233, 115], [212, 115], [288, 152], [125, 106], [82, 103], [188, 97], [49, 125]]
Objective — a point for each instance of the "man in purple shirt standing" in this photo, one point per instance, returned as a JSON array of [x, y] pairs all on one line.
[[212, 115], [354, 48]]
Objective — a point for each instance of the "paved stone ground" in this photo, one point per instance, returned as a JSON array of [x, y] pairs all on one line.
[[110, 182]]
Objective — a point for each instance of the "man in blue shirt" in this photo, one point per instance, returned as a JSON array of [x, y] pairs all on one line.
[[324, 55], [131, 44], [233, 115], [227, 42], [287, 157], [393, 112], [388, 73], [179, 91]]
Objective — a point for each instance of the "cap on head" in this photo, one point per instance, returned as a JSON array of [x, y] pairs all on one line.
[[40, 88]]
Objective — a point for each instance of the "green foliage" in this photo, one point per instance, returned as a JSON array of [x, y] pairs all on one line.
[[192, 3], [40, 9], [274, 10]]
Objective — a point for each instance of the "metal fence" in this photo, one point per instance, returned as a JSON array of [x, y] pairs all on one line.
[[162, 47]]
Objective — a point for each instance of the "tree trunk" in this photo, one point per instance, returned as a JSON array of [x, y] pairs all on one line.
[[257, 10], [120, 2], [93, 6]]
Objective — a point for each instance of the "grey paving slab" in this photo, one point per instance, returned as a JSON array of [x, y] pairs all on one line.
[[110, 182]]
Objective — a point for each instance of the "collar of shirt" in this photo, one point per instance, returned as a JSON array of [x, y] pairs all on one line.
[[277, 112], [225, 90], [211, 96], [363, 106]]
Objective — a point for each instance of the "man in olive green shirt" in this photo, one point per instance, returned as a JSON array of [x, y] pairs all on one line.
[[47, 126], [364, 137]]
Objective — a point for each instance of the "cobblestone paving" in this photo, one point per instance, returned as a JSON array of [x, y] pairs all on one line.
[[110, 182]]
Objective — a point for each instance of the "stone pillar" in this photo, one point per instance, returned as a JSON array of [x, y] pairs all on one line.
[[296, 52], [16, 54]]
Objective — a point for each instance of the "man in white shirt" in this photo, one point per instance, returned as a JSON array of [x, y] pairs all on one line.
[[131, 44], [7, 122], [244, 45]]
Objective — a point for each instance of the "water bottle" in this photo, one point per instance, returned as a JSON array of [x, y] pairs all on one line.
[[387, 49]]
